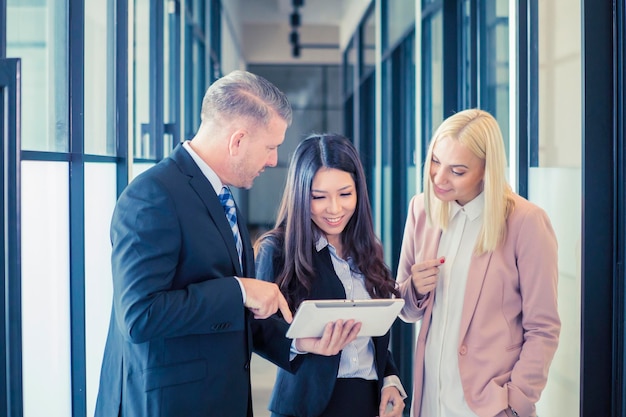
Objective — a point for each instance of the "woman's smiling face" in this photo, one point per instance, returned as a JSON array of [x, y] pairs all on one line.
[[333, 202], [455, 172]]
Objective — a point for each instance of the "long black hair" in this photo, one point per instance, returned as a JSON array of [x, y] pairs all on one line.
[[296, 233]]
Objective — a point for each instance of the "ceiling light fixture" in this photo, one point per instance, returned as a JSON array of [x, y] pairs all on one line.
[[294, 37], [295, 19]]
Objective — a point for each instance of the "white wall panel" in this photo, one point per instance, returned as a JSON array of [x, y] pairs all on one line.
[[45, 289]]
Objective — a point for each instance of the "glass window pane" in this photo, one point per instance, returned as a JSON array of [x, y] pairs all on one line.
[[168, 83], [467, 69], [140, 61], [198, 11], [198, 71], [432, 75], [334, 122], [400, 17], [494, 71], [99, 77], [305, 121], [37, 33], [140, 167], [386, 197], [100, 196], [333, 87], [190, 103], [559, 87], [408, 73], [194, 68], [369, 43], [367, 132], [45, 289], [171, 77], [349, 64], [555, 184], [266, 195]]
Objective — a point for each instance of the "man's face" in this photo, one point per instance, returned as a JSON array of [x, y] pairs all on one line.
[[258, 150]]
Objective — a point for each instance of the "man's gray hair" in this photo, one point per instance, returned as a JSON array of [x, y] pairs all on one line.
[[243, 94]]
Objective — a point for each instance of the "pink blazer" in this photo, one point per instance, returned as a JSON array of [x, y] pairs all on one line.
[[510, 325]]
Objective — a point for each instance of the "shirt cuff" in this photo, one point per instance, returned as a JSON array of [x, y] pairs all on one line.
[[394, 381], [243, 290], [295, 352]]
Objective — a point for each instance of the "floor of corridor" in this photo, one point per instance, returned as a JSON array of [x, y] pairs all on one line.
[[263, 376]]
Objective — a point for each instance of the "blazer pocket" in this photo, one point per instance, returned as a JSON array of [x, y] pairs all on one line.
[[180, 373]]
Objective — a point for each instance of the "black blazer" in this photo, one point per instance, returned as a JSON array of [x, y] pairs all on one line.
[[306, 392], [180, 338]]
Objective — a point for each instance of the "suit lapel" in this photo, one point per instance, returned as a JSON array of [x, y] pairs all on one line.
[[475, 279], [327, 284], [206, 193]]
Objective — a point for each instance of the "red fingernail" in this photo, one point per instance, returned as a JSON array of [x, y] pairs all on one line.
[[442, 260]]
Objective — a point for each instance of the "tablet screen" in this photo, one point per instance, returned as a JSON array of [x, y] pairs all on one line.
[[376, 316]]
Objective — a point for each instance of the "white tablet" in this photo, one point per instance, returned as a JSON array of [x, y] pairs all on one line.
[[376, 316]]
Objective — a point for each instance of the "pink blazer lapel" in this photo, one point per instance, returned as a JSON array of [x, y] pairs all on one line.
[[475, 279]]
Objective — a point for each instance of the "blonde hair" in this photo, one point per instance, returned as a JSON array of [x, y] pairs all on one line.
[[480, 133]]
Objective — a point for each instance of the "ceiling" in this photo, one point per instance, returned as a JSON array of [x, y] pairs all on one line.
[[313, 12], [267, 33]]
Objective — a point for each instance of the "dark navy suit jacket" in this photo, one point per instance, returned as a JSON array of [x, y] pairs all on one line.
[[306, 391], [180, 338]]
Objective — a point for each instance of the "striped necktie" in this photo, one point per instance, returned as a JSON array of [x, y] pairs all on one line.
[[228, 203]]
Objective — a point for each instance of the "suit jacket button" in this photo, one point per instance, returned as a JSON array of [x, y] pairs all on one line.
[[246, 366]]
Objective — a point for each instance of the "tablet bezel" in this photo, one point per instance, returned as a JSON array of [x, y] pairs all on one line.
[[376, 316]]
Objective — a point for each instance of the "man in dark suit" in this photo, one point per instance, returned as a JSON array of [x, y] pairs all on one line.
[[184, 316]]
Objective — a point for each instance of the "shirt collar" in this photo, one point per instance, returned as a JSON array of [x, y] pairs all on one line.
[[472, 210], [206, 170], [321, 243]]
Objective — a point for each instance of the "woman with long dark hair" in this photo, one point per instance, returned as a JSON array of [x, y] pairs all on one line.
[[323, 246]]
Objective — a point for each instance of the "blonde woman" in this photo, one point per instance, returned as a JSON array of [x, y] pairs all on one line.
[[478, 267]]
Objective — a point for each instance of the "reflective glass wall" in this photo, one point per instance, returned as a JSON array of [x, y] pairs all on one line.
[[37, 33], [100, 179], [554, 180], [432, 70]]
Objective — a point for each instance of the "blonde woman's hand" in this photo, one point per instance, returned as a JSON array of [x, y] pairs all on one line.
[[425, 275]]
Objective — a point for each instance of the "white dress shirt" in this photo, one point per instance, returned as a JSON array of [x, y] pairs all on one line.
[[443, 392], [357, 358]]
